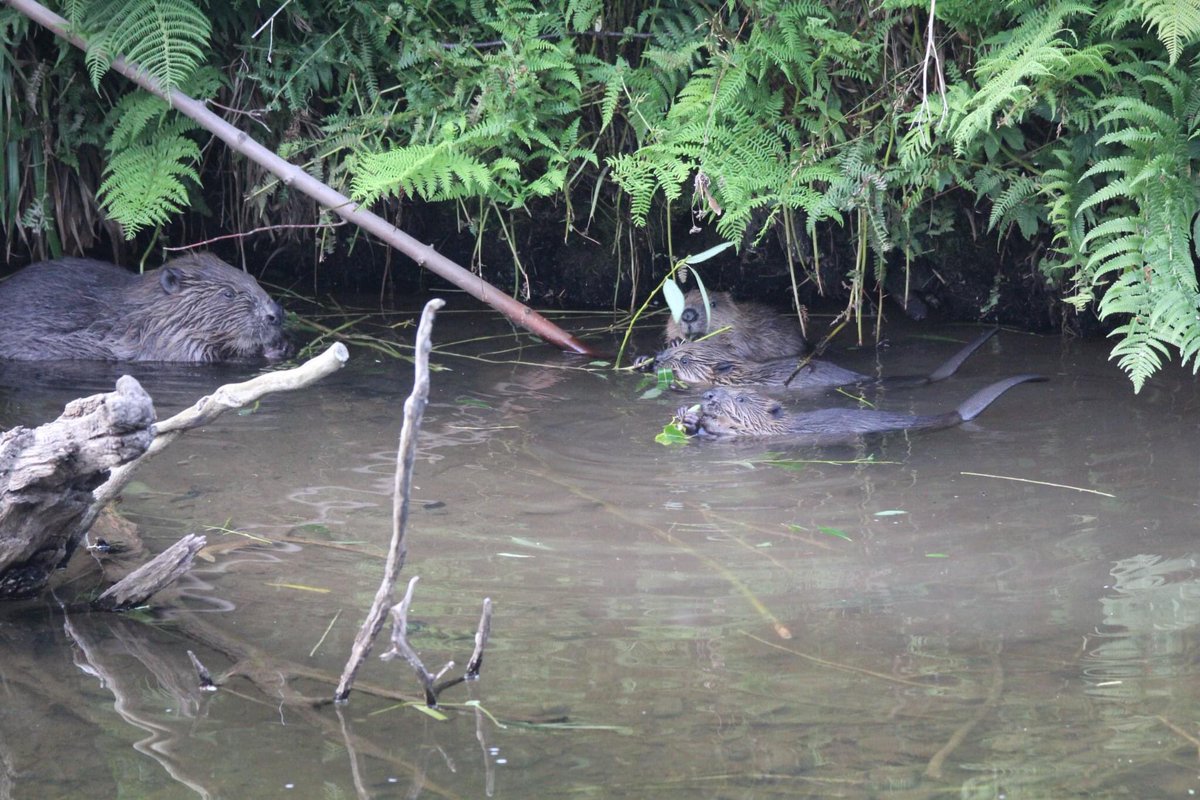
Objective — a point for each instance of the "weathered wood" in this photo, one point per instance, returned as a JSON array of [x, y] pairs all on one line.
[[47, 475], [162, 570], [406, 454]]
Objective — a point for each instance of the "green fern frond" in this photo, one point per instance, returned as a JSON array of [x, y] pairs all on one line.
[[1176, 23], [431, 172], [1035, 49], [166, 38], [1018, 192], [144, 184], [133, 114]]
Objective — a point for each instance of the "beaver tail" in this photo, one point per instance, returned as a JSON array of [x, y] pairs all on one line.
[[955, 361], [974, 405]]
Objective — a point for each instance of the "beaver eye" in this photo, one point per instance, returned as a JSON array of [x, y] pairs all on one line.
[[227, 293], [685, 360], [741, 398]]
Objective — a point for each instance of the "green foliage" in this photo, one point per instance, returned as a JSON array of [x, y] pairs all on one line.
[[1142, 252], [166, 38], [151, 160], [1070, 123]]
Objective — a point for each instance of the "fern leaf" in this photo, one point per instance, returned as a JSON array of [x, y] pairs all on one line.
[[1176, 22], [166, 38], [144, 184]]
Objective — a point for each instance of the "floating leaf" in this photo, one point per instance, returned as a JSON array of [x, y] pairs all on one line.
[[514, 555], [936, 555], [835, 532], [471, 402], [299, 587], [672, 433], [424, 709], [529, 543], [892, 512]]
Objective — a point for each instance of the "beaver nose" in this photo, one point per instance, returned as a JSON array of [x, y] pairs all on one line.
[[689, 315], [275, 314]]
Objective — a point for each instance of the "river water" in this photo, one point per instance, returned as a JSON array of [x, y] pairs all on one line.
[[1004, 609]]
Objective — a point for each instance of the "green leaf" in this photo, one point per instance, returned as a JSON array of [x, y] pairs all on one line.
[[674, 297]]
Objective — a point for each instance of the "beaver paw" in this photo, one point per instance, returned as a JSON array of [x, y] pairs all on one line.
[[644, 363], [689, 419]]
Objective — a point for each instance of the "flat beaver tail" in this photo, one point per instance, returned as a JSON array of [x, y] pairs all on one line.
[[974, 405], [955, 361]]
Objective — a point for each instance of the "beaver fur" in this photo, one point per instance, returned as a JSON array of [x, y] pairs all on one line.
[[755, 332], [744, 413], [709, 363], [195, 308]]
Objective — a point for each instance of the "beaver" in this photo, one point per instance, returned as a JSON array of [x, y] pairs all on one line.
[[195, 308], [755, 332], [744, 413], [710, 363]]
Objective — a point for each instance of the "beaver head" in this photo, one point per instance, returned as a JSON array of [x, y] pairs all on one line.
[[694, 323], [730, 412], [700, 363], [198, 308]]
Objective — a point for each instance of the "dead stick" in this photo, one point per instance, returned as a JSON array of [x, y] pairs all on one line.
[[401, 647], [414, 409], [473, 666]]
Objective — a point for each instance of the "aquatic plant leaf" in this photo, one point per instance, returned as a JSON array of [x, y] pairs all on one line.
[[529, 543], [300, 587], [674, 297], [891, 512], [424, 709], [835, 532], [709, 253], [672, 433]]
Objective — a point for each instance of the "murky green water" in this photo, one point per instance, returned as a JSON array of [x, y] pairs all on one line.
[[954, 632]]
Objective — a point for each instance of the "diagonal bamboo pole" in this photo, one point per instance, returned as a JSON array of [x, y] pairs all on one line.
[[335, 201]]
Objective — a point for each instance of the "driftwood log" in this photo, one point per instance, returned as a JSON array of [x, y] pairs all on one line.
[[47, 475]]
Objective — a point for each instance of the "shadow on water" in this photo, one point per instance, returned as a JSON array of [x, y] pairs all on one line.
[[1007, 608]]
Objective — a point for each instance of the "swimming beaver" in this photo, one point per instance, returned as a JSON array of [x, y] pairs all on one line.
[[712, 364], [195, 308], [756, 332], [742, 413]]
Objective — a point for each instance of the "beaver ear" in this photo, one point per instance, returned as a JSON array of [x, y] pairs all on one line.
[[168, 278]]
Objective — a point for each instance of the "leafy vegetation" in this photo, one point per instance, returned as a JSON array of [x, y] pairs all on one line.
[[852, 140]]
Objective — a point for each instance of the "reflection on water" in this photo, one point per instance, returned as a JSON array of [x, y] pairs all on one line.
[[943, 614]]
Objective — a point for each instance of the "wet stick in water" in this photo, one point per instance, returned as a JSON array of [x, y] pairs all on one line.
[[414, 410]]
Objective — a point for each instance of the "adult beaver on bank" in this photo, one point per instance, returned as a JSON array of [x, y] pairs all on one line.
[[712, 364], [742, 413], [755, 332], [195, 308]]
